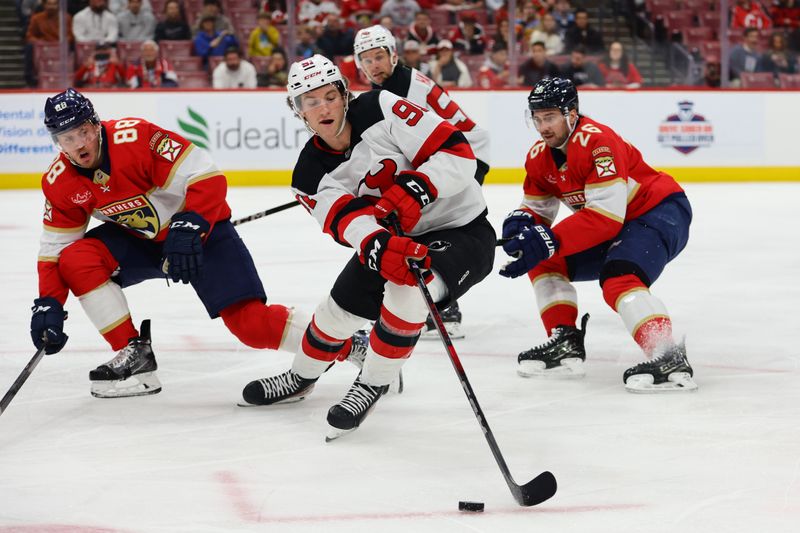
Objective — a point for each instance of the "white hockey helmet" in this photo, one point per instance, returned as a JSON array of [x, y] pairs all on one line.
[[309, 74], [375, 37]]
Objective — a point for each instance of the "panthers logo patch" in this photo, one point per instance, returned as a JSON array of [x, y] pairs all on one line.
[[134, 213]]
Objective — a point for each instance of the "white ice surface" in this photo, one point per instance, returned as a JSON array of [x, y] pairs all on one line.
[[726, 458]]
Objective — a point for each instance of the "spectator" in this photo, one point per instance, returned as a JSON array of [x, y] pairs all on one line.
[[210, 42], [27, 8], [469, 36], [447, 70], [211, 8], [422, 32], [119, 6], [794, 40], [582, 73], [265, 38], [777, 59], [548, 34], [744, 57], [412, 57], [583, 34], [494, 72], [353, 9], [747, 14], [307, 43], [150, 71], [101, 69], [356, 81], [234, 72], [402, 12], [336, 40], [501, 34], [174, 26], [786, 14], [527, 19], [617, 70], [387, 22], [277, 73], [95, 23], [537, 67], [564, 17], [136, 24], [43, 26], [316, 10]]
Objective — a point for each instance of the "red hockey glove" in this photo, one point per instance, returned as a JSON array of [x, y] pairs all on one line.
[[410, 193], [389, 255]]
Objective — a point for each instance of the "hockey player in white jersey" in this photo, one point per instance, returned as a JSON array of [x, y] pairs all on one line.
[[375, 157], [376, 55]]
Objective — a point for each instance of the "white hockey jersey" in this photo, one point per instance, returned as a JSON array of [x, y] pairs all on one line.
[[413, 85], [389, 135]]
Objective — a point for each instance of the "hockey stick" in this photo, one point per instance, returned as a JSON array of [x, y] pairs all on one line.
[[26, 372], [262, 214], [540, 488], [501, 242]]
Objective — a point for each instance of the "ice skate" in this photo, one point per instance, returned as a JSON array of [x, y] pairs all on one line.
[[348, 414], [288, 387], [131, 373], [451, 318], [670, 372], [562, 356], [358, 352]]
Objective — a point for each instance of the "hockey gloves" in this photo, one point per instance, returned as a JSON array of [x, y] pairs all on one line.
[[183, 247], [532, 246], [516, 221], [388, 255], [410, 193], [47, 322]]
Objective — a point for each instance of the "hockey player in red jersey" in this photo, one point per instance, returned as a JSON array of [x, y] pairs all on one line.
[[378, 156], [163, 207], [376, 55], [628, 222]]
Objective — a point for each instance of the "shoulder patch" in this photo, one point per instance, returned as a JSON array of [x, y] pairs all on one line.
[[600, 149], [169, 149], [605, 166], [48, 211]]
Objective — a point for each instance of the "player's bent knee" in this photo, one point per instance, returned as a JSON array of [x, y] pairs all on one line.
[[616, 287], [336, 322], [85, 265], [554, 265], [256, 324], [406, 302]]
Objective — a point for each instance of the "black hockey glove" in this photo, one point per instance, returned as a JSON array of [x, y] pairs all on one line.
[[183, 247], [532, 246], [516, 221], [47, 322]]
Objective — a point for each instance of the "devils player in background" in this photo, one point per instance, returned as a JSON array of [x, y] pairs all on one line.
[[368, 159], [628, 222], [376, 55], [163, 207]]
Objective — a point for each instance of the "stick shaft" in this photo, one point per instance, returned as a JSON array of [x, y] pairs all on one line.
[[262, 214], [24, 375]]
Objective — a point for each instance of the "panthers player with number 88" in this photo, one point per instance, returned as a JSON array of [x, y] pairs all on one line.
[[628, 221], [163, 205]]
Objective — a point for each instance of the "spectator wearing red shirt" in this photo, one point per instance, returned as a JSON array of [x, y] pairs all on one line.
[[422, 32], [150, 71], [786, 14], [102, 69], [469, 36], [748, 14], [618, 70], [493, 74], [352, 9]]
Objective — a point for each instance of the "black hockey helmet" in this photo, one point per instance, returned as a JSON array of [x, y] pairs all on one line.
[[550, 93], [68, 110]]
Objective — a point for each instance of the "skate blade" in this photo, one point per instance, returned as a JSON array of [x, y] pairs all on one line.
[[453, 331], [335, 433], [242, 403], [572, 368], [643, 384], [139, 385]]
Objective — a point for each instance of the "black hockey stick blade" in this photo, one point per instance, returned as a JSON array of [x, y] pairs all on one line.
[[535, 491], [23, 377], [262, 214]]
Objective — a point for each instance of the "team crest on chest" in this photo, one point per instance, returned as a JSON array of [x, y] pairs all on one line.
[[134, 213], [169, 149], [101, 178], [605, 166]]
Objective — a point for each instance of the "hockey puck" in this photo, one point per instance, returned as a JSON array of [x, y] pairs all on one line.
[[473, 507]]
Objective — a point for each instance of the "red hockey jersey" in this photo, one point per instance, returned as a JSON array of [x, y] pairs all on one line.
[[147, 174], [602, 178]]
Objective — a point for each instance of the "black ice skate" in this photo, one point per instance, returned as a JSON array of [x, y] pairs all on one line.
[[358, 352], [131, 373], [562, 356], [283, 388], [451, 318], [667, 373], [348, 414]]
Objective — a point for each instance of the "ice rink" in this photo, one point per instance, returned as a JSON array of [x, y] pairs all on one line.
[[723, 459]]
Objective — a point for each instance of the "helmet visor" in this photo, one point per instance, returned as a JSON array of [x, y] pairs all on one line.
[[81, 135], [314, 99], [542, 118]]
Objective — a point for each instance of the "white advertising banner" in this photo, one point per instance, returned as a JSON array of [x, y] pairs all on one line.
[[255, 131]]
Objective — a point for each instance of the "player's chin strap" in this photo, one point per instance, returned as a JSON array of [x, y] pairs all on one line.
[[571, 128]]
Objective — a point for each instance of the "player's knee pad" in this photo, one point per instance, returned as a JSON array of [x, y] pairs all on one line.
[[85, 265], [554, 265], [406, 302], [615, 288], [334, 321], [256, 324]]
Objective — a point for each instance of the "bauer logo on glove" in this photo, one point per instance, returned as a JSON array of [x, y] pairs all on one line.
[[532, 246]]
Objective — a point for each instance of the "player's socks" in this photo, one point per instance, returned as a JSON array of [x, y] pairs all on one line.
[[561, 356], [131, 373]]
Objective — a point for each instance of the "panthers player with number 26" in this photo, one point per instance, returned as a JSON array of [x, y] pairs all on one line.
[[628, 221], [163, 205]]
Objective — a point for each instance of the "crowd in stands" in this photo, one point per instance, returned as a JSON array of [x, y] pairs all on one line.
[[458, 43]]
